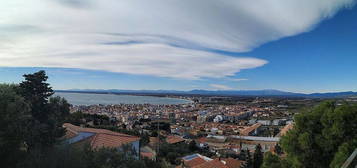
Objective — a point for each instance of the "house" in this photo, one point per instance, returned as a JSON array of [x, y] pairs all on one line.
[[232, 163], [174, 139], [264, 122], [285, 130], [99, 138], [202, 142], [147, 152], [148, 155], [215, 163], [252, 121], [252, 130], [194, 160], [278, 122], [199, 161], [153, 141]]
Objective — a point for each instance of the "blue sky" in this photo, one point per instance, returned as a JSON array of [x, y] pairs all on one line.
[[301, 46]]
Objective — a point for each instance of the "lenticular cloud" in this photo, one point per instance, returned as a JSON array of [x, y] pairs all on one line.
[[157, 37]]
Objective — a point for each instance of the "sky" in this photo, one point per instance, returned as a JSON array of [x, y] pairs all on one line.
[[292, 45]]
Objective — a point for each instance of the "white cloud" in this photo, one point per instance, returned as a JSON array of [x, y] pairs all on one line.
[[237, 79], [220, 87], [148, 59], [157, 37]]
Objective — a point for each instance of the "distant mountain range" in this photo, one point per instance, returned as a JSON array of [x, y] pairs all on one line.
[[267, 92]]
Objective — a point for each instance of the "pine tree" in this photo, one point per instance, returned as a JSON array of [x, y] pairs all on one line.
[[319, 133], [258, 156], [36, 92], [277, 149], [47, 114], [248, 160], [193, 146]]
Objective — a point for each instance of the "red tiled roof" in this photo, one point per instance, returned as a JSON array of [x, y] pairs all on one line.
[[111, 141], [76, 129], [272, 148], [285, 130], [247, 130], [232, 163], [216, 163], [70, 134], [147, 155], [174, 139], [194, 162], [101, 137], [202, 140]]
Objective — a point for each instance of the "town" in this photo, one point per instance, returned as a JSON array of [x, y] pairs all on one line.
[[217, 129]]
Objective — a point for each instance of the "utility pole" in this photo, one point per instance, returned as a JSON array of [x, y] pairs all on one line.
[[158, 139]]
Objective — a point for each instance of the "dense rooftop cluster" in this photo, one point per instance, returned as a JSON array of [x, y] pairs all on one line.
[[220, 129]]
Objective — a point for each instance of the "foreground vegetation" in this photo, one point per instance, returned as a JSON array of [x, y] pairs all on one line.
[[31, 131], [322, 137]]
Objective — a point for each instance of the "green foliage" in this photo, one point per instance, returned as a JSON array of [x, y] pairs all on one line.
[[144, 139], [47, 114], [249, 161], [193, 146], [247, 158], [154, 133], [171, 152], [318, 134], [344, 151], [79, 118], [278, 150], [29, 120], [60, 109], [273, 161], [13, 112], [258, 156], [36, 92], [72, 157], [161, 125]]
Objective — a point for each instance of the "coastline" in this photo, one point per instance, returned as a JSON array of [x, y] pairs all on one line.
[[141, 98]]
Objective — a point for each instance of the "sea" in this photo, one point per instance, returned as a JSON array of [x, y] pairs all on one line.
[[106, 99]]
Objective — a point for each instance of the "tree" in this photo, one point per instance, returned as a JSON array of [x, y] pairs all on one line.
[[318, 134], [144, 139], [73, 157], [36, 92], [273, 161], [344, 151], [172, 151], [47, 114], [76, 118], [154, 133], [277, 149], [193, 146], [30, 117], [59, 108], [13, 112], [258, 156], [171, 157], [248, 159]]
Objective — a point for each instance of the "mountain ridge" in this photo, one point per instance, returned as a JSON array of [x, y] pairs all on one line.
[[264, 92]]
